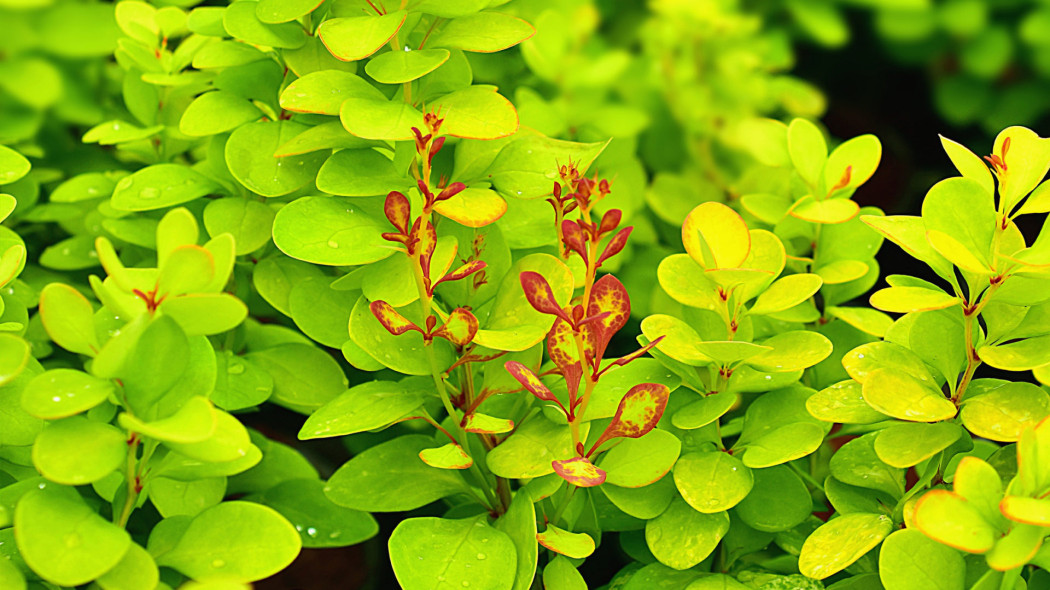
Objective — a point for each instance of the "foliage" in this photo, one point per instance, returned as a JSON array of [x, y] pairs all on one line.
[[331, 208]]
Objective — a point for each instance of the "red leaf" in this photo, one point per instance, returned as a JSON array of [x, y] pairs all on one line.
[[460, 328], [610, 221], [531, 382], [572, 235], [424, 240], [450, 191], [637, 414], [462, 272], [608, 296], [394, 322], [623, 360], [540, 295], [616, 244], [563, 350], [580, 472], [398, 210]]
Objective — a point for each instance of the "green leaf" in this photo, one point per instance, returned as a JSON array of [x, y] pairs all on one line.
[[1026, 162], [792, 351], [778, 501], [560, 573], [229, 441], [968, 164], [783, 444], [13, 165], [390, 477], [447, 456], [398, 67], [241, 22], [646, 502], [68, 318], [473, 207], [680, 341], [906, 445], [856, 463], [948, 518], [364, 407], [828, 211], [10, 576], [305, 377], [519, 523], [866, 358], [77, 451], [376, 118], [357, 37], [808, 150], [909, 299], [281, 11], [478, 112], [844, 403], [217, 112], [205, 314], [840, 542], [320, 522], [135, 570], [962, 209], [360, 173], [704, 411], [1023, 355], [185, 498], [249, 157], [15, 357], [426, 552], [63, 540], [681, 537], [234, 541], [641, 461], [842, 271], [1003, 413], [512, 323], [323, 92], [522, 169], [902, 396], [159, 186], [1016, 548], [484, 32], [194, 422], [528, 452], [574, 545], [249, 222], [331, 231], [713, 481], [321, 137], [715, 236], [853, 161], [405, 353], [786, 293]]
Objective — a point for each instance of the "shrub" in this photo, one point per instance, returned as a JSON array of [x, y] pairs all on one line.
[[324, 207]]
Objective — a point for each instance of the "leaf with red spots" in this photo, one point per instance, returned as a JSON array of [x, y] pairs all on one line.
[[572, 236], [563, 350], [580, 472], [460, 327], [394, 322], [398, 210], [540, 295], [531, 382], [450, 456], [608, 296], [485, 424], [424, 241], [637, 414], [616, 244], [462, 272]]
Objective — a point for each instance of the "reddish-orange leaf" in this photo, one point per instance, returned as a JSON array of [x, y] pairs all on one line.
[[398, 210], [450, 191], [563, 350], [531, 382], [637, 414], [462, 272], [580, 472], [608, 296], [610, 221], [394, 322], [616, 244], [460, 328], [540, 295], [572, 235], [623, 360]]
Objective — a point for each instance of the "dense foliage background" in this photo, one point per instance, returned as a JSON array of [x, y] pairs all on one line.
[[132, 132]]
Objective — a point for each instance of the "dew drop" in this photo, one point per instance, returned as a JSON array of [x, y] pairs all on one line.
[[125, 183], [56, 399], [466, 583], [311, 532], [335, 535], [218, 563], [333, 244], [149, 193], [72, 540], [235, 369], [481, 556]]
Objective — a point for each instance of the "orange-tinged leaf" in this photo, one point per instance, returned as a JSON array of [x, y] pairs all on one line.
[[949, 518], [473, 207], [1027, 510], [573, 237], [715, 236], [11, 263], [607, 295], [615, 245], [540, 295], [575, 545], [460, 327], [580, 472], [638, 412], [563, 350], [398, 210], [394, 322], [610, 221], [485, 424], [450, 456], [530, 381], [424, 238]]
